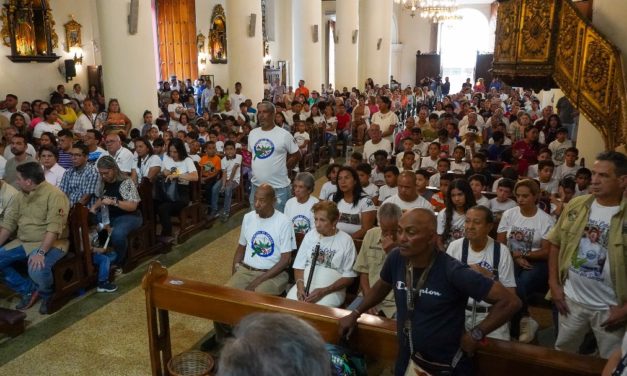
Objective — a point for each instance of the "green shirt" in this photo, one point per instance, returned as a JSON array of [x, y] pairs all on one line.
[[569, 229]]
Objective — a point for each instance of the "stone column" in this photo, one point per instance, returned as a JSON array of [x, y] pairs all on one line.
[[346, 52], [307, 53], [375, 29], [129, 62], [245, 52]]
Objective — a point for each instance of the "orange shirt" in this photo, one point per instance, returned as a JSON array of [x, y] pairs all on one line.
[[210, 166], [301, 90]]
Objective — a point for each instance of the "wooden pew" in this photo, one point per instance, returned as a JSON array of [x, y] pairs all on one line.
[[192, 218], [75, 271], [142, 242], [375, 337]]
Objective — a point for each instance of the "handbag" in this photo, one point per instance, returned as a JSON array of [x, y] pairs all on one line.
[[167, 191], [345, 362]]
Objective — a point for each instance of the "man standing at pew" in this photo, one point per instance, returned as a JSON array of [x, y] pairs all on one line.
[[40, 218], [275, 152], [587, 269], [431, 290]]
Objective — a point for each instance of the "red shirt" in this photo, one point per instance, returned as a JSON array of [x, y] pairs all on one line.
[[343, 121]]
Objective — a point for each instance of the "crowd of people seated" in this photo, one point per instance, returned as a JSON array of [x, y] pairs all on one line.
[[494, 170]]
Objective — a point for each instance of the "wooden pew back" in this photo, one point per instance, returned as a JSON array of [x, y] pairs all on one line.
[[374, 337]]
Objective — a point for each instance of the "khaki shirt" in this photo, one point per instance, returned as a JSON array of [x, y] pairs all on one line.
[[567, 233], [43, 210], [8, 197], [370, 261]]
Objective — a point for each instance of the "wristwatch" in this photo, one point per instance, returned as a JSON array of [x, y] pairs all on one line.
[[41, 252], [477, 334]]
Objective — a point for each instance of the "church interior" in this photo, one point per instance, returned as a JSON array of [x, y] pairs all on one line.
[[128, 48]]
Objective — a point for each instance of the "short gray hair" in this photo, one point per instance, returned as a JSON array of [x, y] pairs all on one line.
[[267, 104], [307, 179], [274, 344], [389, 210]]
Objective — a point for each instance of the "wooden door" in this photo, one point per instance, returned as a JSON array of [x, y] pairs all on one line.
[[176, 29], [427, 65], [483, 68]]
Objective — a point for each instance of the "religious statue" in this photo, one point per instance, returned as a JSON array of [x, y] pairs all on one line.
[[217, 36]]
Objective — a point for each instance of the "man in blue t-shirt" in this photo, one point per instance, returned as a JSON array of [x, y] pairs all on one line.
[[437, 320]]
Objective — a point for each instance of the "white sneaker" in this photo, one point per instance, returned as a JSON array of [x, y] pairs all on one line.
[[528, 329]]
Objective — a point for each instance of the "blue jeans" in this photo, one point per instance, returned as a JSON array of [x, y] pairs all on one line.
[[122, 226], [103, 262], [40, 279], [331, 140], [282, 195], [528, 282], [228, 193]]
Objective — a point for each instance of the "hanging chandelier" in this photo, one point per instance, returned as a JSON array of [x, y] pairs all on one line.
[[435, 10]]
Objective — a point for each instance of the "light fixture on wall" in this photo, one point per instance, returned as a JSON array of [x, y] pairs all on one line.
[[435, 10], [78, 59], [203, 58]]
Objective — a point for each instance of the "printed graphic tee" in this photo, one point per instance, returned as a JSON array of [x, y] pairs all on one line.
[[265, 239]]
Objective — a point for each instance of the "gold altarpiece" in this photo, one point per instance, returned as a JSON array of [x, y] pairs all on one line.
[[543, 44]]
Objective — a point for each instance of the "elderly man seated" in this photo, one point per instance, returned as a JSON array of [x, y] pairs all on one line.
[[407, 197], [40, 217]]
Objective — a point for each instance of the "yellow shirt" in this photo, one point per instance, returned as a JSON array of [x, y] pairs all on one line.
[[69, 117], [43, 210], [370, 261]]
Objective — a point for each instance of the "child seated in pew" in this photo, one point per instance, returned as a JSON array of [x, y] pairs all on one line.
[[230, 180], [478, 184], [408, 162], [431, 161], [548, 184], [210, 167], [582, 178], [158, 147], [408, 145], [194, 150], [355, 159], [444, 165], [458, 165], [422, 180], [330, 186], [503, 200], [496, 148], [560, 146], [438, 199], [390, 188], [569, 167], [565, 192], [543, 155], [380, 162], [478, 166], [103, 256], [247, 158], [507, 172], [363, 171], [302, 137]]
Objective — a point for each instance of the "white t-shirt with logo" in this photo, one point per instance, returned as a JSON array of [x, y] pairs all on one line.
[[370, 148], [457, 226], [181, 167], [301, 138], [266, 239], [589, 282], [350, 216], [525, 234], [419, 202], [229, 164], [300, 214], [499, 207], [335, 260], [327, 191], [485, 259], [371, 190], [269, 151]]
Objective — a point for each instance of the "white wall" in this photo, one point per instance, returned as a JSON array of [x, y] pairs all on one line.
[[31, 81], [204, 9], [281, 47], [414, 33]]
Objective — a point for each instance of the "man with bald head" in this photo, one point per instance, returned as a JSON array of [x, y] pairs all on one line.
[[407, 197], [376, 142], [431, 290]]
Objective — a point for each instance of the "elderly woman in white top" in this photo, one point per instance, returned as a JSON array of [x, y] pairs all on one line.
[[298, 208], [48, 156], [334, 254]]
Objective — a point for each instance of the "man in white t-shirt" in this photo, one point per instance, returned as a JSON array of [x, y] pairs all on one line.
[[486, 256], [407, 197], [375, 143], [587, 272], [264, 250], [123, 157], [237, 98], [274, 153], [88, 119]]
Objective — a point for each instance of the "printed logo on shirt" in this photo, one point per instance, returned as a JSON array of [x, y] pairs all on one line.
[[400, 285], [589, 260], [262, 244], [325, 256], [263, 148], [301, 224], [520, 239]]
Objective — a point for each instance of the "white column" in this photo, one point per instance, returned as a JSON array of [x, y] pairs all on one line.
[[283, 36], [129, 62], [375, 20], [346, 52], [307, 54], [245, 52]]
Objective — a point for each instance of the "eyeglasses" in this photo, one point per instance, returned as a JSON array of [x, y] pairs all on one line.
[[77, 154]]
